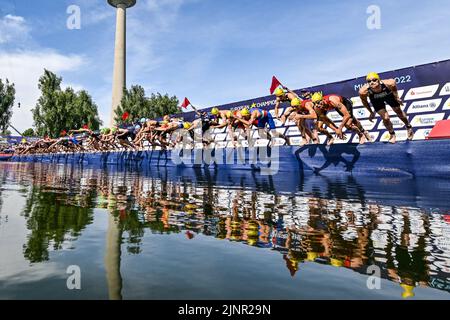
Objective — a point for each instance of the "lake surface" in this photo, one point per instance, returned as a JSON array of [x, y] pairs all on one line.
[[121, 233]]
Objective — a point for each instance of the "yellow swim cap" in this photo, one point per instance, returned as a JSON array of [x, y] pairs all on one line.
[[245, 112], [373, 75], [229, 114], [408, 291], [336, 262], [215, 111], [279, 92], [295, 102], [187, 125], [317, 96], [311, 256]]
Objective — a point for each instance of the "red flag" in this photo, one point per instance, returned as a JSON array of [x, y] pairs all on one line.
[[63, 133], [125, 116], [275, 84], [86, 126], [186, 103]]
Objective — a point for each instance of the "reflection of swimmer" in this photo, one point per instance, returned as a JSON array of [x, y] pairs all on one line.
[[408, 291], [292, 261], [189, 235], [294, 255], [334, 156]]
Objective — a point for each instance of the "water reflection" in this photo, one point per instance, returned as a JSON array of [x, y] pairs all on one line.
[[326, 226]]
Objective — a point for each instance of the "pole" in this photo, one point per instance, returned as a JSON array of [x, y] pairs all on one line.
[[16, 130]]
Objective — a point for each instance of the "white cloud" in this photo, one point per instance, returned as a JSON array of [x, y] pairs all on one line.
[[13, 29], [24, 69]]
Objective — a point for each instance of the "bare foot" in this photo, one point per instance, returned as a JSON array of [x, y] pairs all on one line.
[[303, 142], [368, 137], [362, 139], [393, 139], [410, 134], [330, 141]]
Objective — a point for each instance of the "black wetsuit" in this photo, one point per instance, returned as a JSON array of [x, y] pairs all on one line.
[[95, 135], [131, 133], [349, 105], [206, 123], [380, 99]]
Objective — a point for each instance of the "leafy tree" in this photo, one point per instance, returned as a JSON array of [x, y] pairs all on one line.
[[6, 133], [53, 218], [137, 105], [133, 102], [29, 133], [7, 97], [161, 105], [59, 110]]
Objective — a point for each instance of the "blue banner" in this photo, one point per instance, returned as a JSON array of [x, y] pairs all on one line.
[[424, 89]]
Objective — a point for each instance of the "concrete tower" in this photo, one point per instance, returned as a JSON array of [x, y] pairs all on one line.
[[119, 78]]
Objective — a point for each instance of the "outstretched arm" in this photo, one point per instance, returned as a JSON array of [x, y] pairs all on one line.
[[277, 106], [311, 114]]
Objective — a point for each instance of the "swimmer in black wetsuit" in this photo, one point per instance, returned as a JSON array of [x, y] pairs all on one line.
[[124, 133], [206, 122], [382, 92]]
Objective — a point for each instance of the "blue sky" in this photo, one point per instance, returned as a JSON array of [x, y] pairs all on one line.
[[213, 51]]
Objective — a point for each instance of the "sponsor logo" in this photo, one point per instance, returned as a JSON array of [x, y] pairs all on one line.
[[221, 137], [215, 130], [422, 92], [277, 123], [424, 106], [373, 135], [396, 123], [427, 120], [447, 105], [356, 101], [401, 135], [221, 144], [296, 141], [445, 91], [334, 115], [360, 113], [368, 125], [293, 131], [421, 134]]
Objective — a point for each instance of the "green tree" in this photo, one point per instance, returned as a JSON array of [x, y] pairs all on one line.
[[29, 133], [7, 97], [161, 105], [59, 110], [6, 132], [133, 102], [52, 219], [137, 105]]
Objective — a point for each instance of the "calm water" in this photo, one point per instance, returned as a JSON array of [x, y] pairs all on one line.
[[195, 234]]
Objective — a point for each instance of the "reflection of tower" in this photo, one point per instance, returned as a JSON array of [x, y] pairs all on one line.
[[112, 259], [119, 78]]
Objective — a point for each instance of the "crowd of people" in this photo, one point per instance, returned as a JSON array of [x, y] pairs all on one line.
[[308, 111]]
